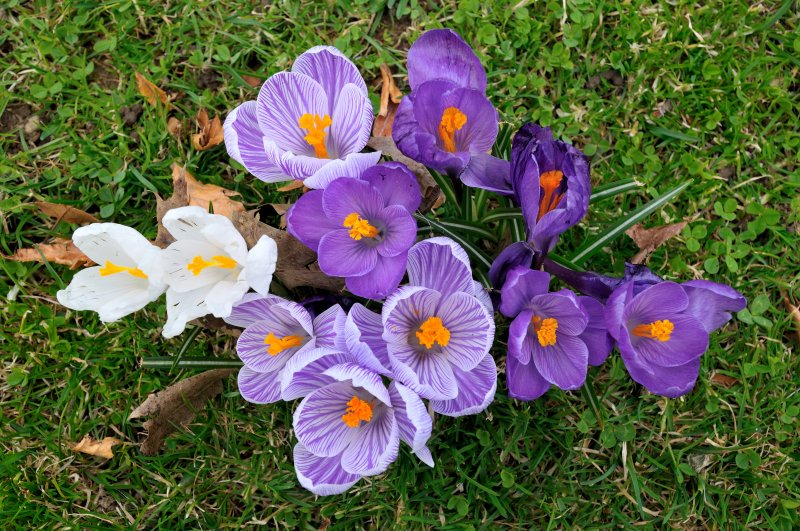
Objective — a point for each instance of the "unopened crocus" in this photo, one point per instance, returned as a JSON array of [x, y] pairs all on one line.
[[349, 425], [275, 330], [438, 331], [208, 267], [447, 122], [308, 124], [361, 228], [553, 337], [128, 275]]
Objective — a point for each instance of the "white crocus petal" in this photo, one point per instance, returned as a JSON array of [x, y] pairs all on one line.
[[112, 297], [194, 223], [182, 308], [225, 293], [176, 260], [260, 264]]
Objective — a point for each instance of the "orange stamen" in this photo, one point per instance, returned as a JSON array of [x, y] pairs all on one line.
[[545, 330], [315, 126], [357, 410], [112, 269], [433, 331], [359, 227], [279, 344], [550, 182], [452, 120], [198, 263], [660, 330]]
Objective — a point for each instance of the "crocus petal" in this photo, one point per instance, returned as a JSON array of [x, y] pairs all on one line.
[[524, 381], [400, 232], [283, 99], [194, 223], [688, 341], [352, 166], [376, 447], [476, 390], [343, 197], [306, 220], [671, 382], [293, 165], [329, 326], [323, 476], [412, 417], [489, 173], [711, 303], [480, 130], [260, 265], [396, 184], [176, 258], [440, 264], [406, 309], [120, 245], [286, 319], [520, 339], [482, 294], [562, 306], [515, 255], [182, 308], [660, 301], [381, 281], [429, 375], [245, 143], [360, 377], [251, 308], [342, 256], [521, 286], [595, 336], [351, 122], [331, 69], [259, 387], [223, 295], [615, 310], [304, 372], [471, 329], [443, 54], [363, 335], [318, 422], [563, 364]]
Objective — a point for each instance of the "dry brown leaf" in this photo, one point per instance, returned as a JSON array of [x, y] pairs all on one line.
[[65, 213], [431, 194], [252, 81], [648, 240], [150, 91], [390, 98], [294, 185], [91, 446], [210, 134], [723, 380], [176, 406], [794, 311], [174, 127], [58, 251], [281, 209]]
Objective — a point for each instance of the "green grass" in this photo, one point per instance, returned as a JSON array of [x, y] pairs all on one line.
[[653, 91]]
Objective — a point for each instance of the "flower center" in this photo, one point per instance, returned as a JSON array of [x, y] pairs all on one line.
[[112, 269], [357, 410], [545, 330], [279, 344], [433, 331], [661, 330], [452, 120], [198, 263], [550, 181], [359, 227], [315, 126]]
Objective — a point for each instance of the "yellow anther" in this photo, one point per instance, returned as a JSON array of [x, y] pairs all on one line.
[[357, 410], [545, 330], [433, 331], [550, 181], [279, 344], [112, 269], [661, 330], [198, 263], [359, 227], [315, 125], [452, 120]]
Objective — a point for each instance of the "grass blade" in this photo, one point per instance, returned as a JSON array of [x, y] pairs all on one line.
[[168, 362], [612, 189], [446, 185], [468, 246], [663, 132]]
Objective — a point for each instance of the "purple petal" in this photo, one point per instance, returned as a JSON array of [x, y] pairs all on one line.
[[396, 184], [615, 310], [521, 337], [480, 131], [253, 307], [660, 301], [476, 390], [562, 306], [482, 294], [294, 166], [342, 256], [323, 476], [318, 422], [406, 309], [518, 254], [284, 319], [283, 99], [443, 54], [381, 281], [245, 143], [304, 373], [351, 122], [595, 336], [377, 444], [307, 222], [471, 329], [711, 303], [688, 341], [429, 375], [259, 387], [671, 382], [524, 381], [412, 416], [329, 326], [400, 232], [347, 196], [521, 286], [563, 364], [331, 69], [352, 166], [363, 335], [489, 173], [360, 377], [440, 264]]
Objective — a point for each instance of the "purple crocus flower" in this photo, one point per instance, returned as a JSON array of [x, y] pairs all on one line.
[[349, 425], [438, 331], [309, 124], [275, 331], [446, 122], [553, 337], [361, 228], [662, 330]]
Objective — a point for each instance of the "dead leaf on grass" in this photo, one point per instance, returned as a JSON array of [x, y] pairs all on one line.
[[723, 379], [294, 185], [648, 240], [174, 127], [58, 251], [252, 81], [91, 446], [210, 134], [794, 311], [65, 213], [390, 98], [150, 91]]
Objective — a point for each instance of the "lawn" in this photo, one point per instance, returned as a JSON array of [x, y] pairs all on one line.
[[664, 93]]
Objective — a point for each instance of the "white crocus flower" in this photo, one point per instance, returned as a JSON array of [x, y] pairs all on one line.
[[128, 275], [208, 268]]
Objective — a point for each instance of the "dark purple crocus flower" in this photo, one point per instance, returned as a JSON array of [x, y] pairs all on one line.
[[553, 338], [662, 331], [446, 122], [361, 228]]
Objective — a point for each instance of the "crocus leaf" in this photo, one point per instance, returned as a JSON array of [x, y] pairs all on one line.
[[614, 188], [65, 213], [89, 445], [472, 250]]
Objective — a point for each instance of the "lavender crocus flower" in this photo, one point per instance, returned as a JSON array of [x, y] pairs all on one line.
[[309, 124], [275, 330], [361, 228], [438, 331], [553, 337], [446, 122]]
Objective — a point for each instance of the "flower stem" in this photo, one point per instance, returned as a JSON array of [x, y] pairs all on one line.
[[169, 363]]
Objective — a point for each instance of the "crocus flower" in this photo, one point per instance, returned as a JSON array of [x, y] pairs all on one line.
[[306, 124], [662, 331], [361, 229], [438, 331], [446, 122], [275, 330], [349, 425], [127, 277], [553, 337], [208, 267]]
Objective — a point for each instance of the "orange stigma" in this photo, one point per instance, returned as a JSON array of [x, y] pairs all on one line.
[[315, 125], [112, 269], [359, 227], [452, 120], [545, 330], [433, 331], [549, 181], [279, 344], [661, 330], [198, 263], [357, 410]]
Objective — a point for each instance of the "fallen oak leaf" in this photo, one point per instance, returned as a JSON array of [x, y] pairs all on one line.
[[176, 406], [648, 240], [58, 251], [150, 91], [431, 194], [89, 445], [61, 212], [210, 134]]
